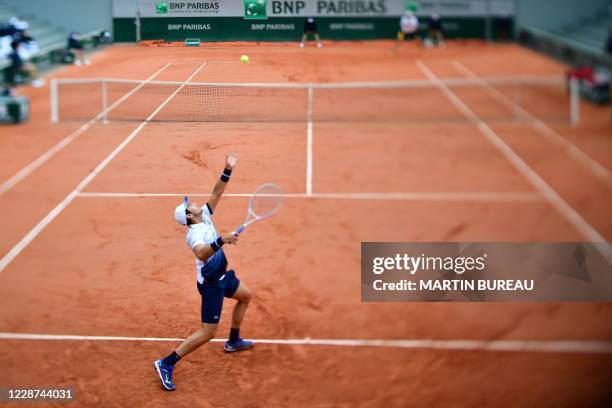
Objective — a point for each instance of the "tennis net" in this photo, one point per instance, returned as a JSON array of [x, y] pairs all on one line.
[[490, 99]]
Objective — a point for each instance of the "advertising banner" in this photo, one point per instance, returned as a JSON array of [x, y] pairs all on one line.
[[262, 9]]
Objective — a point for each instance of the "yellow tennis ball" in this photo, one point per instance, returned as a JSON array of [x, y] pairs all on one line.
[[244, 58]]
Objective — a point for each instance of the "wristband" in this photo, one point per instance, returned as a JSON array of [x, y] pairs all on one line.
[[226, 175], [216, 245]]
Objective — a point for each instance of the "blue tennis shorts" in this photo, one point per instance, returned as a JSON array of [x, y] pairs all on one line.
[[213, 292]]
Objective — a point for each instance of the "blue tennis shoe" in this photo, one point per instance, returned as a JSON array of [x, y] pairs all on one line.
[[237, 345], [165, 374]]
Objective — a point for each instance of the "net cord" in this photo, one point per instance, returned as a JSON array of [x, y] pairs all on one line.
[[416, 83]]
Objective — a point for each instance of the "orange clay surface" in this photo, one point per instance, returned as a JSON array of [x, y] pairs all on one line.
[[118, 266]]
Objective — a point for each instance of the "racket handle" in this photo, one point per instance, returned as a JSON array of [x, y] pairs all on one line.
[[240, 229]]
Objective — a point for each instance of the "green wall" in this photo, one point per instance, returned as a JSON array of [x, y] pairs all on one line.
[[124, 29], [281, 28]]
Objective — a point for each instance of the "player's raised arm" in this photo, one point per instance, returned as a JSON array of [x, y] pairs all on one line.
[[230, 161]]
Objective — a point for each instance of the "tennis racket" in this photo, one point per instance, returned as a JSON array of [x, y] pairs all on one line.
[[264, 203]]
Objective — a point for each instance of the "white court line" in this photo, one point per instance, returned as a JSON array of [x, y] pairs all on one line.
[[536, 346], [538, 182], [29, 237], [43, 158], [309, 141], [594, 166], [482, 196]]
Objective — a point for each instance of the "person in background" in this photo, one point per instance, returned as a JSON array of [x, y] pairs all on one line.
[[310, 28], [19, 32], [434, 32], [75, 46], [104, 37], [7, 29], [503, 30], [593, 84], [17, 26], [409, 25], [21, 67], [609, 41]]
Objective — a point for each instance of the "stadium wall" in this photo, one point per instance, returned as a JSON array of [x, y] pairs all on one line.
[[554, 14], [248, 20], [72, 15]]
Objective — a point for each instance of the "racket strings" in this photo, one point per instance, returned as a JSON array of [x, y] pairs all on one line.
[[266, 201]]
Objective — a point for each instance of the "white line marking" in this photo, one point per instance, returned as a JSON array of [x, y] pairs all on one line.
[[29, 237], [32, 336], [309, 142], [43, 158], [539, 346], [483, 196], [555, 200], [594, 166]]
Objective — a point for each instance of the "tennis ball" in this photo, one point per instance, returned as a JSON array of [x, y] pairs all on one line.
[[244, 58]]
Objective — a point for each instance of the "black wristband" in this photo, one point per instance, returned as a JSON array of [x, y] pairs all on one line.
[[226, 175], [217, 244]]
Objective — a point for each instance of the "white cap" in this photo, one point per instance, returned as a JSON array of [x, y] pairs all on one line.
[[179, 212], [19, 24]]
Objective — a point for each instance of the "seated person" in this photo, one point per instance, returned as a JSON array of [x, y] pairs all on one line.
[[21, 67], [19, 29], [75, 46], [17, 26]]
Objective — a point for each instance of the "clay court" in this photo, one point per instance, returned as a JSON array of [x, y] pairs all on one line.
[[91, 254]]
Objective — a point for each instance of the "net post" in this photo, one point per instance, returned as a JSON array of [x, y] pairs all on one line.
[[54, 102], [104, 101], [574, 102]]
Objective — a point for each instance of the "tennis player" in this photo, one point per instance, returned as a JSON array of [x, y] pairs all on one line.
[[214, 281], [310, 28]]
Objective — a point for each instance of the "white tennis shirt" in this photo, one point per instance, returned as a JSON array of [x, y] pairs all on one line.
[[203, 233], [409, 23]]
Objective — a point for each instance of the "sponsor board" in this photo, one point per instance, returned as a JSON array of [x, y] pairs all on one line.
[[263, 9]]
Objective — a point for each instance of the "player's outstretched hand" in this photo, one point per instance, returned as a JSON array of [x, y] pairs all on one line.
[[231, 160], [231, 238]]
